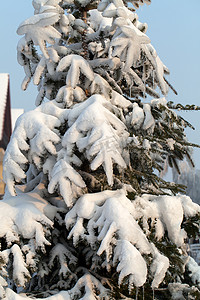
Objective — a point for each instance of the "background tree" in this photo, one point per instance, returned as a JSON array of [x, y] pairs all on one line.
[[190, 178], [86, 215]]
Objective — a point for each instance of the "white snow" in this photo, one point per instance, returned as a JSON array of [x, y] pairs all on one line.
[[29, 214], [98, 22], [77, 65], [137, 117], [159, 67], [129, 40], [87, 282], [10, 295], [158, 102], [63, 255], [42, 20], [68, 180], [69, 95], [194, 270], [179, 291], [39, 128], [20, 272], [100, 86], [38, 29], [87, 121], [159, 267], [94, 129], [39, 71], [111, 212], [168, 211], [189, 207], [170, 143], [130, 263], [120, 101], [149, 122]]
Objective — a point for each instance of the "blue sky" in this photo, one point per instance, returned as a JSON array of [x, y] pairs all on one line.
[[174, 30]]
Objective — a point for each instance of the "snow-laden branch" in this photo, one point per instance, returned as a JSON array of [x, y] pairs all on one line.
[[86, 286], [27, 215], [35, 134], [39, 30], [69, 182], [97, 132], [129, 41], [76, 65], [115, 218]]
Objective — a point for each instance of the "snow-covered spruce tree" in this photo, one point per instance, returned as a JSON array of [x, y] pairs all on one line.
[[86, 215]]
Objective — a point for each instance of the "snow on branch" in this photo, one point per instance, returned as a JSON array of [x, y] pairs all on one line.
[[194, 270], [90, 284], [65, 259], [86, 288], [97, 132], [27, 215], [20, 272], [129, 41], [130, 263], [115, 218], [159, 68], [68, 95], [119, 3], [39, 30], [76, 65], [69, 182], [166, 213], [34, 135], [10, 295]]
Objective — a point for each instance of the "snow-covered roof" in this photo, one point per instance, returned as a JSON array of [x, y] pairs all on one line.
[[4, 80]]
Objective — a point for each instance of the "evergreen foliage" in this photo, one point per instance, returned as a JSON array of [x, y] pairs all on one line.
[[86, 215]]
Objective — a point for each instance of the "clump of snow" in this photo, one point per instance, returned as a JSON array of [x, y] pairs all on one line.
[[90, 284], [112, 212], [190, 208], [179, 290], [160, 68], [120, 101], [130, 263], [168, 211], [77, 65], [94, 129], [128, 41], [137, 117], [158, 102], [39, 128], [10, 295], [68, 180], [194, 271], [149, 122], [39, 29], [159, 267], [29, 214]]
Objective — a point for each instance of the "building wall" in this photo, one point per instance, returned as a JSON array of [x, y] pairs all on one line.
[[1, 170]]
